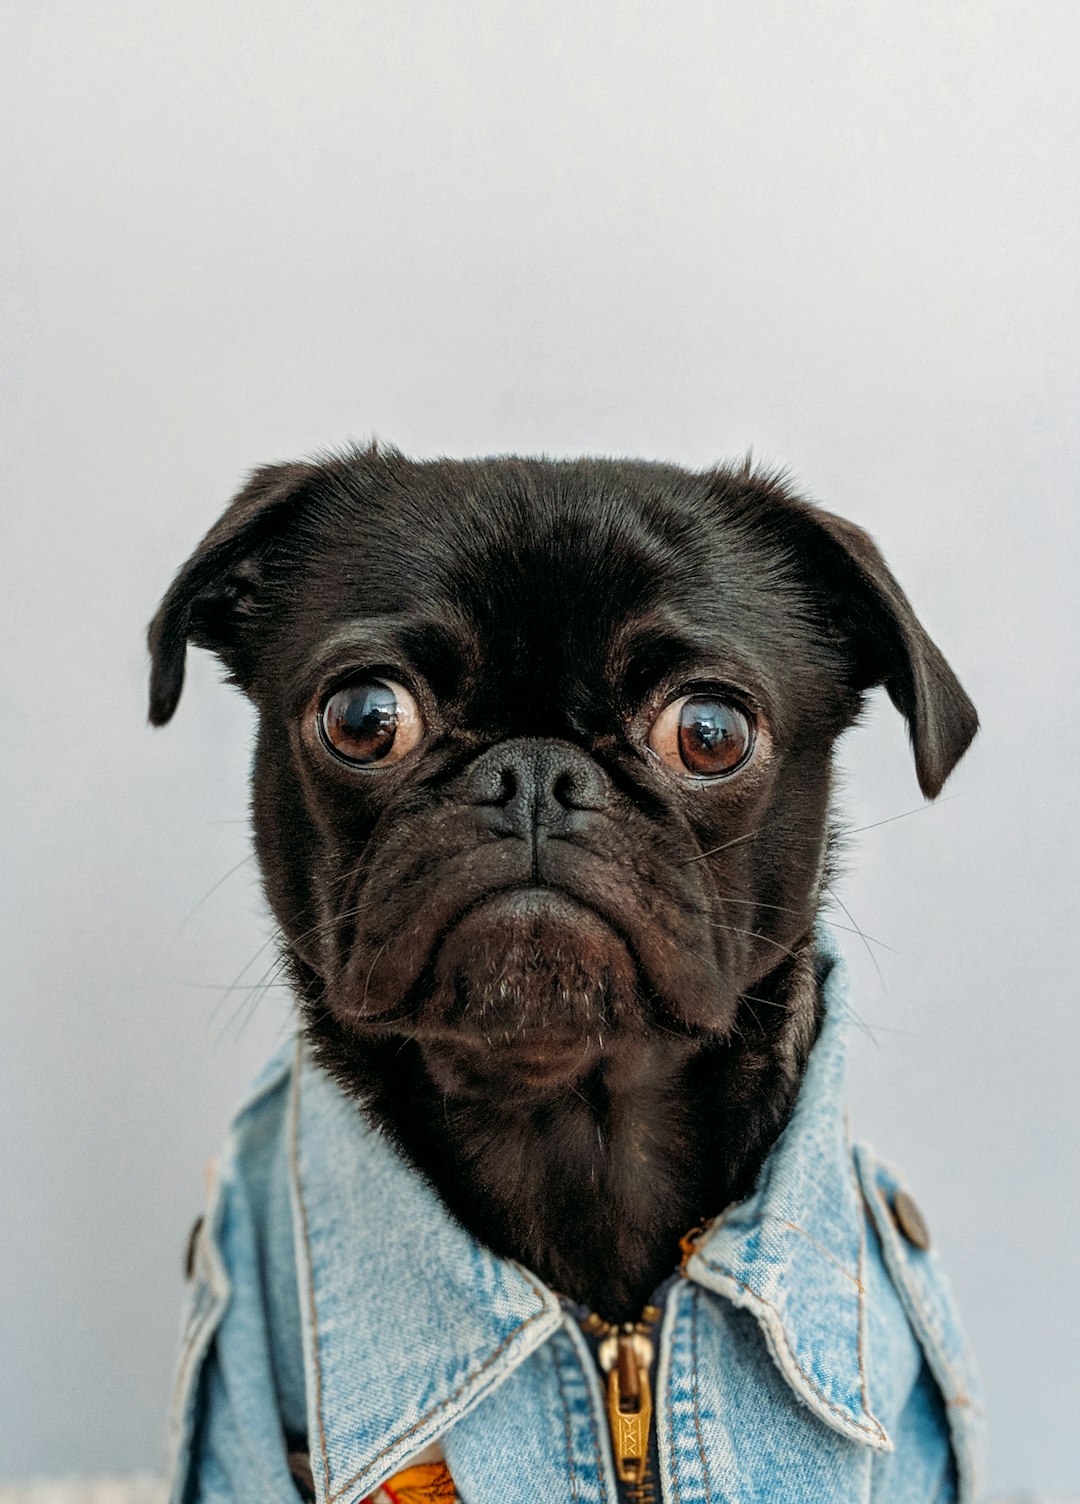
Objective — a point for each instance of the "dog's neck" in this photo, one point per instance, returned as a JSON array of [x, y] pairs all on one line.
[[593, 1187]]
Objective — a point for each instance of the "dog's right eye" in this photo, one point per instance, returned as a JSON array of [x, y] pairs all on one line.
[[370, 721]]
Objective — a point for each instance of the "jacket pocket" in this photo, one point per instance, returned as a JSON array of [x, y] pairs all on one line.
[[924, 1292]]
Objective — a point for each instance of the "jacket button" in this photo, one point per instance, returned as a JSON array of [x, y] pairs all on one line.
[[189, 1251], [910, 1220]]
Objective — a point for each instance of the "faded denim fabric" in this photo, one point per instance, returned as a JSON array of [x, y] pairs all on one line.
[[806, 1352]]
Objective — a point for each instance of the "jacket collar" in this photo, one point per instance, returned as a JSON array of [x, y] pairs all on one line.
[[794, 1252], [408, 1323]]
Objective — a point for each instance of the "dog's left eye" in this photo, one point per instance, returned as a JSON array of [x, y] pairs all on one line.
[[702, 735], [370, 721]]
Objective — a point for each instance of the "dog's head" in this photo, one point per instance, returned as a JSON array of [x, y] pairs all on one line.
[[543, 755]]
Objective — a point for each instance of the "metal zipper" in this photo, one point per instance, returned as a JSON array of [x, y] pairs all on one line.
[[625, 1353]]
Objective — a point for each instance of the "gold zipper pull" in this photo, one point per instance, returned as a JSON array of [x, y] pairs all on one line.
[[689, 1241], [626, 1357]]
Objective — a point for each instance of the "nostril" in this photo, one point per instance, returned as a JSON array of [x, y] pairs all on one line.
[[563, 791], [580, 787], [492, 782]]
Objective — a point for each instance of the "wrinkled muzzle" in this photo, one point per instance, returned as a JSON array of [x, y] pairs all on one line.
[[533, 911]]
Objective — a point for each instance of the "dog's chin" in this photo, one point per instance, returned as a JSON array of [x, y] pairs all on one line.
[[530, 989], [468, 1067]]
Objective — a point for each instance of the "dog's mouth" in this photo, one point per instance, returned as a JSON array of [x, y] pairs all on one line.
[[460, 1062], [529, 963], [528, 986]]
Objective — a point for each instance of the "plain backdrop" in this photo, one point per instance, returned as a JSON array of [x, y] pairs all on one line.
[[844, 234]]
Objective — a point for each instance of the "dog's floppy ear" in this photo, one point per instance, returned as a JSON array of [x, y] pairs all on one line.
[[215, 594], [890, 646]]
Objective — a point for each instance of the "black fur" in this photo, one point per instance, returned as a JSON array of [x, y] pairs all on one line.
[[586, 1025]]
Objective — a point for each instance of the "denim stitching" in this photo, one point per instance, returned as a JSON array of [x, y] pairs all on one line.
[[858, 1282], [924, 1303], [190, 1355], [794, 1226], [916, 1305], [188, 1341], [935, 1333], [601, 1472], [331, 1497], [695, 1302], [441, 1406], [567, 1422], [671, 1430], [861, 1281], [313, 1315], [873, 1429], [919, 1296], [204, 1316]]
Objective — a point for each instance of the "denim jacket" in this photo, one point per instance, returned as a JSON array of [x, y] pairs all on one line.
[[807, 1349]]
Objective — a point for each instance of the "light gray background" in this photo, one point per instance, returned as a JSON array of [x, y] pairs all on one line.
[[842, 233]]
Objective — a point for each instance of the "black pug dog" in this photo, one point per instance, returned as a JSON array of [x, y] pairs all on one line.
[[541, 799]]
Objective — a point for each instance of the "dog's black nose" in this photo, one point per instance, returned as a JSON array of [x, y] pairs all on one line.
[[533, 786]]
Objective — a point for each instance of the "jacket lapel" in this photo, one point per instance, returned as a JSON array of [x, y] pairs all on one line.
[[793, 1253], [408, 1323]]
